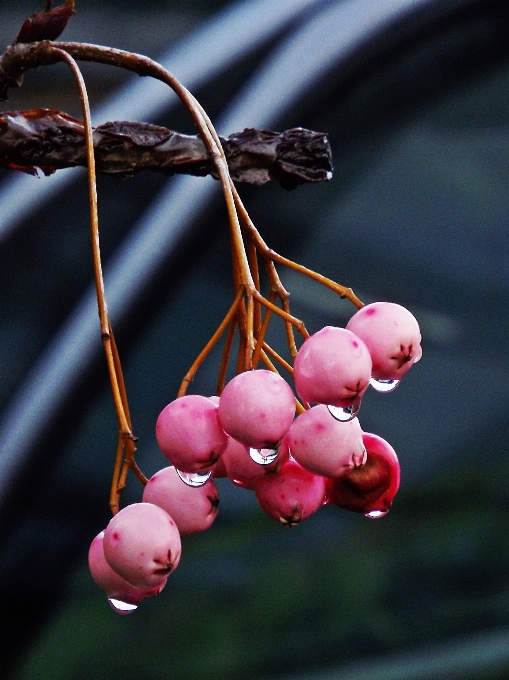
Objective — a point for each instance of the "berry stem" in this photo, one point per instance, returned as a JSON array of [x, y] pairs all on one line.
[[210, 344]]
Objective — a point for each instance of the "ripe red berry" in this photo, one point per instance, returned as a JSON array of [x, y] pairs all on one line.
[[370, 488]]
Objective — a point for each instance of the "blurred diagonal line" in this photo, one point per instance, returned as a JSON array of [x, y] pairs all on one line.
[[457, 660]]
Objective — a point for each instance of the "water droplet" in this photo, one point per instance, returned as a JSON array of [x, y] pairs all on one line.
[[263, 456], [121, 607], [344, 414], [376, 514], [384, 385], [328, 175], [194, 478]]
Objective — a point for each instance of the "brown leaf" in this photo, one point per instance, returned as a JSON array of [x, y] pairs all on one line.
[[46, 25]]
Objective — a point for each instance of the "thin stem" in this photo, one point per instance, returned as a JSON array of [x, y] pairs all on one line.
[[299, 325], [221, 379], [126, 438], [210, 344], [261, 334], [268, 350]]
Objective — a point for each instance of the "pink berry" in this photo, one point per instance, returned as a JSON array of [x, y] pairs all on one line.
[[324, 445], [256, 408], [192, 508], [392, 336], [189, 434], [370, 488], [142, 544], [124, 597], [333, 366], [291, 494]]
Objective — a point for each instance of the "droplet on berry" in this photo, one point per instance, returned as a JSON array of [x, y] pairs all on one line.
[[194, 478], [121, 607], [263, 456], [344, 414], [384, 385], [376, 514]]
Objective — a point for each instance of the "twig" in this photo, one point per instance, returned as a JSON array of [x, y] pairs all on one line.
[[51, 140]]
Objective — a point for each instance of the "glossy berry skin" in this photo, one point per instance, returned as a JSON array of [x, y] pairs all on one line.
[[324, 445], [290, 495], [112, 583], [333, 366], [142, 544], [392, 336], [256, 408], [193, 509], [370, 488], [189, 434]]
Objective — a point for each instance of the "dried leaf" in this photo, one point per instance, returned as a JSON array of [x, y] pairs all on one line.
[[46, 25]]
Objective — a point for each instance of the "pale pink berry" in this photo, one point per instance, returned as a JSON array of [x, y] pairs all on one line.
[[189, 434], [142, 544], [324, 445], [123, 596], [392, 336], [333, 366], [290, 495], [193, 508], [256, 408]]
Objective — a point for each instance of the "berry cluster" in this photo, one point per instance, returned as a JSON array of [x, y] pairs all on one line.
[[252, 435]]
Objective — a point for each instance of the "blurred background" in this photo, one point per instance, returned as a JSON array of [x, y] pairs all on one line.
[[413, 95]]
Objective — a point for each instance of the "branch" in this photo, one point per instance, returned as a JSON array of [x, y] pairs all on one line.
[[50, 140]]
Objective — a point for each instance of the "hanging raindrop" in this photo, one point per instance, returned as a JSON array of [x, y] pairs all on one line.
[[344, 414], [194, 478], [263, 456], [384, 385], [121, 607], [376, 514]]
